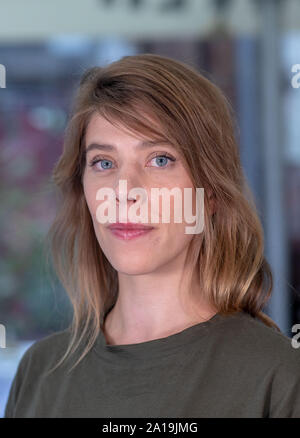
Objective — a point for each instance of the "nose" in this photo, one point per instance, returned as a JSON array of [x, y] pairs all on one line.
[[129, 189]]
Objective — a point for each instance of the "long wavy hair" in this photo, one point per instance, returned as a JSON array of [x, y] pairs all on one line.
[[193, 115]]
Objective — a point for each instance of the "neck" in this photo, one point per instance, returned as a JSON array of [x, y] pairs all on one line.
[[140, 316]]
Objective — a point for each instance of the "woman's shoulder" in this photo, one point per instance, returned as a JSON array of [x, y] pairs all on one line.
[[45, 352], [37, 359], [240, 332], [267, 359], [54, 341]]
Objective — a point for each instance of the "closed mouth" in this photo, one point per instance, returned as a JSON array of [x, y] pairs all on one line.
[[132, 227]]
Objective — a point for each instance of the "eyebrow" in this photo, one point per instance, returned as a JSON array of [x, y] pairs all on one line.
[[141, 145]]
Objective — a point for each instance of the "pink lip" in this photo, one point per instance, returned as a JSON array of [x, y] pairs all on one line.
[[128, 234], [129, 226]]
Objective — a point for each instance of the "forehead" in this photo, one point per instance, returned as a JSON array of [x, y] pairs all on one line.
[[101, 128], [146, 126]]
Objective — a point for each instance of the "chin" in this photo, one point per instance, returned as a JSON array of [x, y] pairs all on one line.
[[132, 266]]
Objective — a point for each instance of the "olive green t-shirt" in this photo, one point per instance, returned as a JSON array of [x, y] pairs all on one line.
[[229, 367]]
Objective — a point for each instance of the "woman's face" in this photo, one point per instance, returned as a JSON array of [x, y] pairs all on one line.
[[141, 167]]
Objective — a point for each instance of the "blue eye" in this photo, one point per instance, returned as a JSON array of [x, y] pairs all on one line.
[[105, 163], [97, 160], [163, 160]]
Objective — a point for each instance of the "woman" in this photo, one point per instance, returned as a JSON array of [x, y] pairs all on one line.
[[166, 323]]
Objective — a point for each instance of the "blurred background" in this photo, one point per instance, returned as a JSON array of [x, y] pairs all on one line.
[[249, 48]]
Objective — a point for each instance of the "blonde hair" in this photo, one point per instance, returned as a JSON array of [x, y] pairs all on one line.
[[195, 116]]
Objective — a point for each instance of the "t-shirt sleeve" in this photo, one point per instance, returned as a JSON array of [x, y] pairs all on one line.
[[16, 385], [285, 398]]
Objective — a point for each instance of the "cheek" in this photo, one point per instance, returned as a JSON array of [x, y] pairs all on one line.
[[90, 197], [183, 207]]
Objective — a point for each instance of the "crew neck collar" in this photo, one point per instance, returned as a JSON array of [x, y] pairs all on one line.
[[156, 347]]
